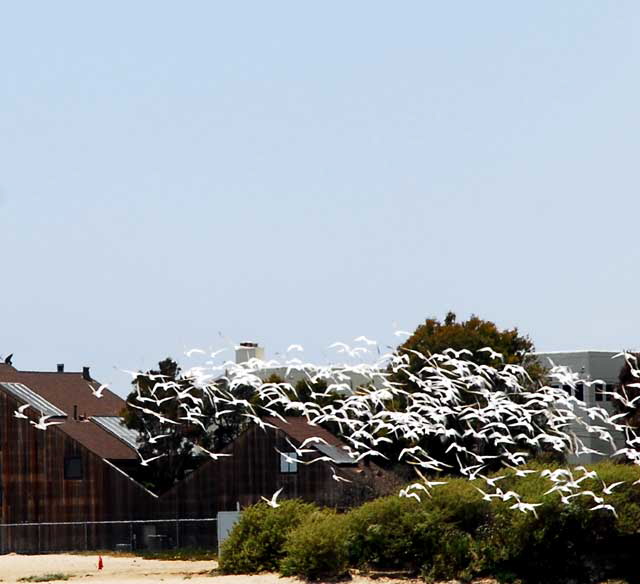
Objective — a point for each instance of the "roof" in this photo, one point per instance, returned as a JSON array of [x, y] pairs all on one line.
[[35, 401], [64, 390], [300, 430], [115, 425]]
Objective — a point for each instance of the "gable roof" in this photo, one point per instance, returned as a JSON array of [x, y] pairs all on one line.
[[64, 390], [300, 430]]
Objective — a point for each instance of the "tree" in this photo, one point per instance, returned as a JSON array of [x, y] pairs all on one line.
[[173, 434], [474, 334]]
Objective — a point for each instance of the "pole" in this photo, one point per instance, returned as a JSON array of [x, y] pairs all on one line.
[[86, 537]]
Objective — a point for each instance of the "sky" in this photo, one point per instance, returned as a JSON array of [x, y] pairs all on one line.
[[195, 175]]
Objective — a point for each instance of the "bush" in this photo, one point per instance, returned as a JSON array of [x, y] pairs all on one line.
[[381, 533], [317, 548], [256, 542], [429, 537], [453, 534]]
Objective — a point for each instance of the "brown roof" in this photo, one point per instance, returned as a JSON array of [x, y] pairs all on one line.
[[69, 389], [300, 429]]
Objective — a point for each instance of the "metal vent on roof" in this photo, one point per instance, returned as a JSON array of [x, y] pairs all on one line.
[[36, 401], [338, 455], [115, 426]]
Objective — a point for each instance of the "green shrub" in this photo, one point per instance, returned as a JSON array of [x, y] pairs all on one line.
[[255, 543], [317, 548], [381, 533], [431, 537]]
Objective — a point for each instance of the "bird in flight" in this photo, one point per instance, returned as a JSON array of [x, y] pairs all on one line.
[[43, 423], [146, 461], [98, 392], [272, 502], [19, 413]]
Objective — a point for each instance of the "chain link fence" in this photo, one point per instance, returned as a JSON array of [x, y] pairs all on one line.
[[140, 534]]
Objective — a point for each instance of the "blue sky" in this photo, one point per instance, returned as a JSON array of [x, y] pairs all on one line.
[[294, 172]]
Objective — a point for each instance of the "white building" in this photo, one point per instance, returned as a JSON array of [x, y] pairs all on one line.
[[602, 368]]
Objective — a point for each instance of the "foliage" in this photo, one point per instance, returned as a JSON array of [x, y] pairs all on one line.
[[435, 337], [317, 548], [156, 390], [455, 534], [256, 542]]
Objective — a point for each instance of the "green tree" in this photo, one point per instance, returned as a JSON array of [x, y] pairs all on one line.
[[473, 334], [435, 337], [166, 433]]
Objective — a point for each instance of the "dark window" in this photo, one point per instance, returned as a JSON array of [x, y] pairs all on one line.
[[580, 391], [611, 387], [567, 388], [599, 388], [73, 467]]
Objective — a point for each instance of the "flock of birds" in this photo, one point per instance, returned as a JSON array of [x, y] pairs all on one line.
[[482, 415]]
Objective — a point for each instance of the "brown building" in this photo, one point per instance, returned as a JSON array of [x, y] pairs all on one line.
[[68, 473], [264, 460], [74, 474]]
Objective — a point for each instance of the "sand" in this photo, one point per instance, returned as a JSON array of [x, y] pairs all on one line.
[[123, 569]]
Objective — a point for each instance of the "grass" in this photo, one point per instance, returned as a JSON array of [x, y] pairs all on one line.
[[46, 577], [185, 554]]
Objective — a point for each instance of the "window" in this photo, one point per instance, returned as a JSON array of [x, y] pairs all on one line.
[[288, 462], [73, 467], [599, 389], [580, 391], [612, 388]]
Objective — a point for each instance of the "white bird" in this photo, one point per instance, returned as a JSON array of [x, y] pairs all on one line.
[[98, 392], [526, 507], [337, 477], [146, 461], [295, 348], [214, 455], [608, 489], [43, 424], [402, 334], [272, 502], [154, 439], [492, 354], [606, 508], [363, 339], [191, 352], [19, 413]]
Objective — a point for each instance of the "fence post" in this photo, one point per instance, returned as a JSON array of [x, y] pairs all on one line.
[[86, 537], [39, 538], [131, 534], [177, 533]]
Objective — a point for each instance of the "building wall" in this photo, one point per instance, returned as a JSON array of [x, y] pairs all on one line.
[[34, 489], [253, 471], [591, 366]]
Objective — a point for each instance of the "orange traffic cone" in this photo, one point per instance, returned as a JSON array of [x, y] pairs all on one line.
[[100, 563]]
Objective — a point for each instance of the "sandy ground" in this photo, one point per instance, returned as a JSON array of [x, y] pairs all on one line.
[[119, 569]]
